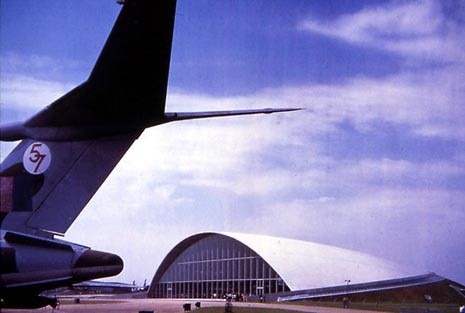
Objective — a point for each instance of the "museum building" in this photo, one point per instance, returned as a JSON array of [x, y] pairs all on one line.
[[216, 264]]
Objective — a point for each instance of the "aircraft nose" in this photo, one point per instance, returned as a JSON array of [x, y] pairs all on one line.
[[92, 258], [99, 263]]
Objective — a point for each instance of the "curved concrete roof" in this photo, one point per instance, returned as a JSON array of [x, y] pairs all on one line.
[[302, 264], [307, 265]]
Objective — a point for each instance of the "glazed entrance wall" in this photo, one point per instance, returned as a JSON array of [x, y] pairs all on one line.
[[216, 266]]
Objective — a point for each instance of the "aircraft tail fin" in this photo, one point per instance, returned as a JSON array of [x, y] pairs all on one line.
[[129, 80], [70, 147]]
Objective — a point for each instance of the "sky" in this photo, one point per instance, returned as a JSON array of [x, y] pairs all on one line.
[[375, 162]]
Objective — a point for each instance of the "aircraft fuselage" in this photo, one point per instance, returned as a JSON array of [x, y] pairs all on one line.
[[30, 265]]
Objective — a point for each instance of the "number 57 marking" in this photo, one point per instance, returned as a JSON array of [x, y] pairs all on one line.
[[37, 158]]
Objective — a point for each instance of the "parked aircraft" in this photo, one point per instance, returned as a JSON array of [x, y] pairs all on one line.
[[68, 149]]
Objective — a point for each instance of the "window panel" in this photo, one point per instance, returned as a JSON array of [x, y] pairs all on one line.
[[217, 264]]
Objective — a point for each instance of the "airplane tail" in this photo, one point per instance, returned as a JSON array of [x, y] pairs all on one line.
[[70, 147]]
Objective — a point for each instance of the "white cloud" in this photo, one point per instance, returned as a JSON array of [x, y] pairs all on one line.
[[406, 225], [26, 94], [31, 82], [429, 102], [417, 29]]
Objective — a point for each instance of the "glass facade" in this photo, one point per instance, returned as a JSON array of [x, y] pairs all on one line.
[[216, 266]]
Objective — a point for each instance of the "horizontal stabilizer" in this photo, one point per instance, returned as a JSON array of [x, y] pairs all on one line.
[[19, 131], [195, 115]]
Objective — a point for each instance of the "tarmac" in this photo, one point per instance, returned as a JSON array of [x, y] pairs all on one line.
[[166, 306]]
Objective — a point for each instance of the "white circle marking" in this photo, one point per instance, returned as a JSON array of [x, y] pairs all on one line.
[[37, 158]]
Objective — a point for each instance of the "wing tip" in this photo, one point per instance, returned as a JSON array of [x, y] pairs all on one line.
[[271, 110]]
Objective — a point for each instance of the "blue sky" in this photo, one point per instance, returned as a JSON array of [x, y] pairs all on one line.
[[376, 162]]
